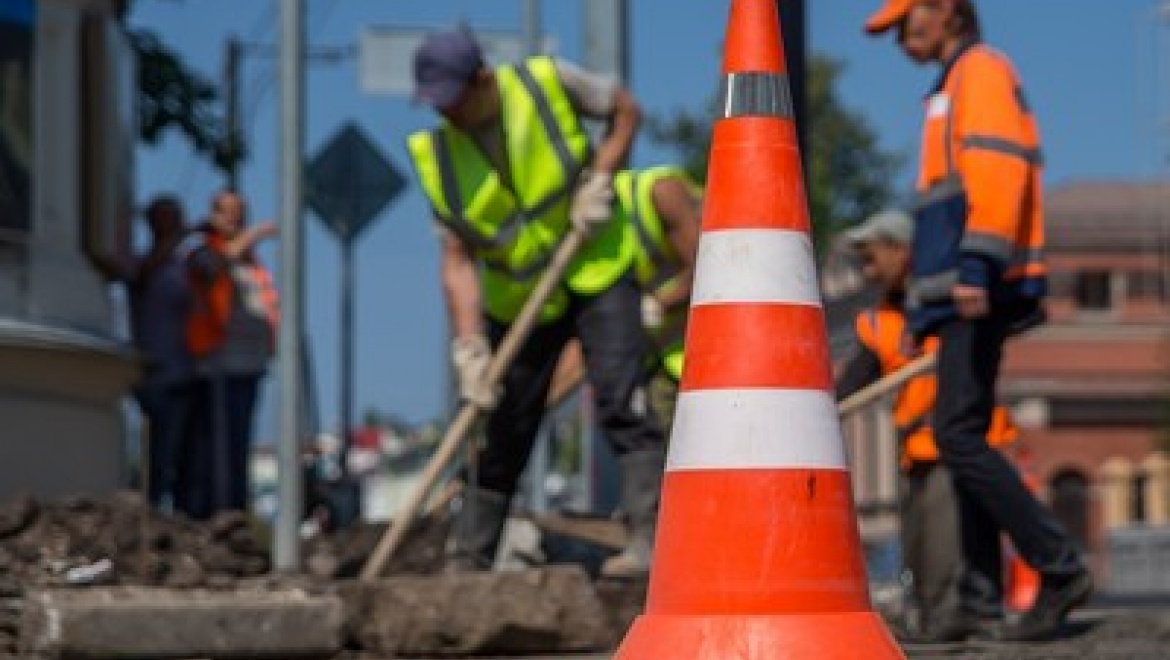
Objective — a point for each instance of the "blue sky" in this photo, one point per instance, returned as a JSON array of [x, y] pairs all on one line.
[[1091, 69]]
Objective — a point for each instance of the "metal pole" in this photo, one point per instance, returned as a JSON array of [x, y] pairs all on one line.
[[607, 50], [232, 59], [532, 24], [794, 25], [538, 460], [607, 37], [347, 293], [286, 541]]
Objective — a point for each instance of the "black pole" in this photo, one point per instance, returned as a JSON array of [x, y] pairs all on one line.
[[794, 26], [232, 59], [347, 293]]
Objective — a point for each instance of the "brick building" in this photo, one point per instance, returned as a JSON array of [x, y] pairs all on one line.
[[1090, 388]]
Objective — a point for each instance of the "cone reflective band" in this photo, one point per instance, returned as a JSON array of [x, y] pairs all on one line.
[[757, 554], [758, 94]]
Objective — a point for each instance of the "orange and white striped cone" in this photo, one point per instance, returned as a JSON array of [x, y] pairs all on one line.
[[757, 552]]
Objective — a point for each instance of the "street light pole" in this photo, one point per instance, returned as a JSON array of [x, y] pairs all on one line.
[[286, 542]]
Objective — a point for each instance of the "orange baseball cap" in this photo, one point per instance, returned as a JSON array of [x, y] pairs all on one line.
[[889, 15]]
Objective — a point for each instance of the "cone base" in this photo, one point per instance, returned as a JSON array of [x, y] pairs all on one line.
[[847, 636]]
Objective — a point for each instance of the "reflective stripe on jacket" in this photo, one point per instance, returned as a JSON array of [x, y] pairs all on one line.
[[980, 216], [884, 332], [514, 231], [656, 264]]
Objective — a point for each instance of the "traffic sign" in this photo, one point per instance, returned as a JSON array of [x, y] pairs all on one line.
[[350, 182]]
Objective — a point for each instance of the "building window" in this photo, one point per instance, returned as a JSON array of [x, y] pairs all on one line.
[[1061, 284], [1069, 491], [1147, 285], [1094, 290], [1138, 496], [16, 111]]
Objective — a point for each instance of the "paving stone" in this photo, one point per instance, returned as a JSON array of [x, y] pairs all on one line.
[[549, 610], [130, 622]]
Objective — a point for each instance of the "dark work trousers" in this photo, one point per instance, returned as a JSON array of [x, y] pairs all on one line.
[[167, 409], [615, 349], [991, 494], [217, 456], [930, 540]]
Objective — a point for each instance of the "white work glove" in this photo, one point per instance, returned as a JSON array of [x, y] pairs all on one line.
[[471, 355], [592, 206], [652, 313]]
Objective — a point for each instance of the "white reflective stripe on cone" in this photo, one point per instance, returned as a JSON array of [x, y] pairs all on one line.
[[755, 265], [756, 428]]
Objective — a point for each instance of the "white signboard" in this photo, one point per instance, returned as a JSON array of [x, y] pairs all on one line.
[[386, 55]]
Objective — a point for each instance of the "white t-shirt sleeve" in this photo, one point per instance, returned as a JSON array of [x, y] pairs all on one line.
[[592, 94]]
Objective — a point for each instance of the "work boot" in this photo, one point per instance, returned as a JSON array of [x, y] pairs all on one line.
[[957, 626], [1058, 596], [477, 530], [641, 486]]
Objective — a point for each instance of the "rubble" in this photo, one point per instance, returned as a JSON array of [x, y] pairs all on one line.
[[120, 541], [549, 610], [76, 561]]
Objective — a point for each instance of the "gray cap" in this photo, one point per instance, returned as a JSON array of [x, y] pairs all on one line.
[[892, 225], [443, 65]]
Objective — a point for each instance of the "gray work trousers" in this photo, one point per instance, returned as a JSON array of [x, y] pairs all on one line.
[[931, 546]]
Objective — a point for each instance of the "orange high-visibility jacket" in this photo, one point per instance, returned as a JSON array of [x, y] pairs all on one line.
[[884, 332], [979, 219], [214, 300]]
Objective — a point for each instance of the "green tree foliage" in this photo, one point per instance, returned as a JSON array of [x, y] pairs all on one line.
[[849, 175], [171, 95]]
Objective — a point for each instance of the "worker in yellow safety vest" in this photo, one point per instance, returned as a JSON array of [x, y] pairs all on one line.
[[508, 172], [662, 206]]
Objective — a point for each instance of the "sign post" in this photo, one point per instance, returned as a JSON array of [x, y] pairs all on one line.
[[349, 183]]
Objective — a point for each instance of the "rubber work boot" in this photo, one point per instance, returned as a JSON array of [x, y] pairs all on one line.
[[477, 530], [641, 486], [1058, 596]]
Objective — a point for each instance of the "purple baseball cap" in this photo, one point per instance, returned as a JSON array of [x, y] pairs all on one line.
[[443, 65]]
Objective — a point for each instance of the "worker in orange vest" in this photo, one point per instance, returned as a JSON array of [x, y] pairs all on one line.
[[231, 333], [929, 510], [978, 277]]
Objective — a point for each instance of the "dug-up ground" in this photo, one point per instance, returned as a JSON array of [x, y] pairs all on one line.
[[109, 579]]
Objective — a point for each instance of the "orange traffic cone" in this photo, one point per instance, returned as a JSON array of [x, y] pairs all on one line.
[[757, 552], [1021, 581]]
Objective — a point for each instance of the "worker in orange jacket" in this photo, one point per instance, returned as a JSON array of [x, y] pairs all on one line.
[[231, 333], [978, 277], [929, 510]]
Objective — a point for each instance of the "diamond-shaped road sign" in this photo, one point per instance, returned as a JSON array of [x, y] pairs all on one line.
[[349, 182]]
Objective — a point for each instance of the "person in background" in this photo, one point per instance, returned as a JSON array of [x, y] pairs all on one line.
[[929, 510], [160, 302], [231, 333], [979, 277], [664, 209]]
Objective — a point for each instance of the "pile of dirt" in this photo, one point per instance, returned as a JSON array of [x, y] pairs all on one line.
[[120, 540]]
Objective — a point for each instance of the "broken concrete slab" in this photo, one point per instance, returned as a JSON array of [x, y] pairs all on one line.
[[547, 610], [130, 622]]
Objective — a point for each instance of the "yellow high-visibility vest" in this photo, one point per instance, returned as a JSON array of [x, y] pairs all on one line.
[[515, 230], [656, 264]]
